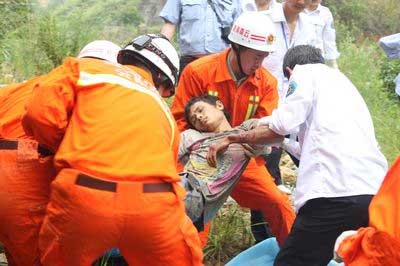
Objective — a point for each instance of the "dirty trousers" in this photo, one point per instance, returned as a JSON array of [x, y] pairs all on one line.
[[256, 190], [25, 177]]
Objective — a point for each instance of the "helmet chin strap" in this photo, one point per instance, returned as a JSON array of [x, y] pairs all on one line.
[[236, 48]]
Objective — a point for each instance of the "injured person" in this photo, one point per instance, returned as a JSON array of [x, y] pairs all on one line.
[[208, 187]]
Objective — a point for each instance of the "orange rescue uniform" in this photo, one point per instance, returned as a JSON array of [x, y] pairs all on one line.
[[116, 147], [256, 97], [26, 171], [378, 244]]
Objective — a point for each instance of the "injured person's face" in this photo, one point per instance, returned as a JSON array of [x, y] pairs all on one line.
[[206, 117]]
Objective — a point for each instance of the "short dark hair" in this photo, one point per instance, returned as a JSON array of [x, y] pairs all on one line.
[[207, 98], [301, 55]]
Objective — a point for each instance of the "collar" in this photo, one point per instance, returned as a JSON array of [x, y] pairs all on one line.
[[317, 10], [230, 70], [222, 72]]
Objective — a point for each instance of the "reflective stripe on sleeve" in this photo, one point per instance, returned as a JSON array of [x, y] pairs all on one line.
[[252, 107], [213, 93]]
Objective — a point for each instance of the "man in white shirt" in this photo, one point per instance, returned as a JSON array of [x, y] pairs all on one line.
[[341, 165], [292, 27], [322, 20]]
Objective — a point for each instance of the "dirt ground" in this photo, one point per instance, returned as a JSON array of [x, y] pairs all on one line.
[[288, 171], [3, 260]]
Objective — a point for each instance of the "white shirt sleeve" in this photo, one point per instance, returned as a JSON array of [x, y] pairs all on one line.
[[292, 146], [297, 105], [329, 39], [264, 121]]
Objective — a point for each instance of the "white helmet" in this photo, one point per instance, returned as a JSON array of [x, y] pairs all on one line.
[[158, 50], [255, 31], [101, 49]]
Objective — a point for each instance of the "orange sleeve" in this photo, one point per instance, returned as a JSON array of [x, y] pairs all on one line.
[[48, 111], [378, 244], [189, 86], [269, 98], [384, 210], [370, 247]]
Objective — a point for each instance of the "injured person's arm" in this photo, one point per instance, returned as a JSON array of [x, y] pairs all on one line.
[[260, 135]]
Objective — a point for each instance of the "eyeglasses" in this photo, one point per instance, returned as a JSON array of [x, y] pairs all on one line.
[[144, 42]]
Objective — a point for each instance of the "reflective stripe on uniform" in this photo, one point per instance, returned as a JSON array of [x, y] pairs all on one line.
[[213, 93], [252, 107], [87, 79]]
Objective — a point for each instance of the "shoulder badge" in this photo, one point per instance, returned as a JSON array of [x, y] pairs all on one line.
[[292, 88]]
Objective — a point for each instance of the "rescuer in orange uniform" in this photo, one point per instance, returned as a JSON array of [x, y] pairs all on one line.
[[116, 146], [247, 91], [378, 244], [26, 169]]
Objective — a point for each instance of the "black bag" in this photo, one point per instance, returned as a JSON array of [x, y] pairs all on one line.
[[225, 31]]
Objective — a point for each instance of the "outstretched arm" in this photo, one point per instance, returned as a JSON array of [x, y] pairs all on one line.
[[258, 135]]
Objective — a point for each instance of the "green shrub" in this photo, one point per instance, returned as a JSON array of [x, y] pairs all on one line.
[[367, 17], [14, 13], [389, 70], [361, 63], [51, 35]]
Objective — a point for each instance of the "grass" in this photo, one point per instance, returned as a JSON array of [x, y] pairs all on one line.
[[229, 235], [361, 63]]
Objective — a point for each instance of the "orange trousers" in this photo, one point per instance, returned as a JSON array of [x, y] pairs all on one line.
[[24, 193], [82, 223], [256, 190]]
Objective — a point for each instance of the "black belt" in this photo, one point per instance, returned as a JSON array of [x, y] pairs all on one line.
[[92, 182], [13, 145]]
